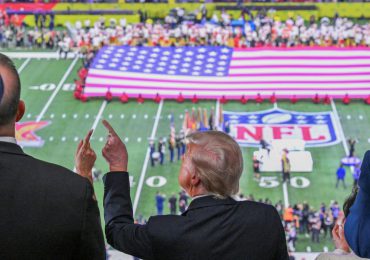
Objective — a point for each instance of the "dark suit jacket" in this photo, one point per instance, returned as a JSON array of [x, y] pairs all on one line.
[[46, 211], [211, 228], [357, 226]]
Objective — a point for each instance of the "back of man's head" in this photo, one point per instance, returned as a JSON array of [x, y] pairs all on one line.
[[218, 161], [9, 99]]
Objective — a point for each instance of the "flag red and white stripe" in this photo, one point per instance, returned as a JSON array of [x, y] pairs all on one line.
[[302, 72]]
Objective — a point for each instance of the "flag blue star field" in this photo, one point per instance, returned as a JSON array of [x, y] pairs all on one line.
[[211, 72]]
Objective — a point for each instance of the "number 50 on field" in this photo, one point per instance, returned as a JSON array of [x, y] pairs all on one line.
[[298, 182]]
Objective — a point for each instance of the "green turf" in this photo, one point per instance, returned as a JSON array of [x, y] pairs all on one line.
[[37, 73], [80, 117]]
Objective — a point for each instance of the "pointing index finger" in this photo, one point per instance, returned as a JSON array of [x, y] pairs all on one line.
[[86, 142], [109, 127], [88, 136]]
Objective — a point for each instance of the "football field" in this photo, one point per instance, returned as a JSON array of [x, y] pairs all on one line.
[[54, 122]]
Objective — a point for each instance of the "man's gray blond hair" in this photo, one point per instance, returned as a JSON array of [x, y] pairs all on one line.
[[217, 160]]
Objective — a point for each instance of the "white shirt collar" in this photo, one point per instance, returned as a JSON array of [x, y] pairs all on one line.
[[201, 196], [8, 139]]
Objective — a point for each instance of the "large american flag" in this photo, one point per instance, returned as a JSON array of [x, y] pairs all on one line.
[[211, 72]]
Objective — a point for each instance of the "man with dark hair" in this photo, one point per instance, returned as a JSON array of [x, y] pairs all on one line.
[[9, 99], [47, 211]]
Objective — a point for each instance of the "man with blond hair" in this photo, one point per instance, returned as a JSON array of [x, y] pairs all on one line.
[[215, 226]]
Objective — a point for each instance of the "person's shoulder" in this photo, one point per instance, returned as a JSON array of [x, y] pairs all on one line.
[[54, 171], [367, 155], [264, 211], [256, 205]]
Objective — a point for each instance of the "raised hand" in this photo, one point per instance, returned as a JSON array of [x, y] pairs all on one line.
[[115, 151], [85, 158]]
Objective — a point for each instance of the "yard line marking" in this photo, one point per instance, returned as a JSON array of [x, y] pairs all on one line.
[[97, 119], [24, 64], [341, 132], [285, 192], [244, 172], [146, 161], [47, 105], [339, 127], [96, 122], [217, 116], [285, 185]]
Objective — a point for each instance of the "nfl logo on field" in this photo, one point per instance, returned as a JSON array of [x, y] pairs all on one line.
[[249, 128]]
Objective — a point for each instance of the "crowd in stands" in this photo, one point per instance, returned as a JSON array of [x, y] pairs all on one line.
[[262, 30]]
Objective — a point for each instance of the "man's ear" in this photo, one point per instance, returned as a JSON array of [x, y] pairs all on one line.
[[195, 181], [20, 111]]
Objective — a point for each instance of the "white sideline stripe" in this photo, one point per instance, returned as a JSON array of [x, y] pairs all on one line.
[[39, 117], [96, 122], [146, 161], [24, 64]]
